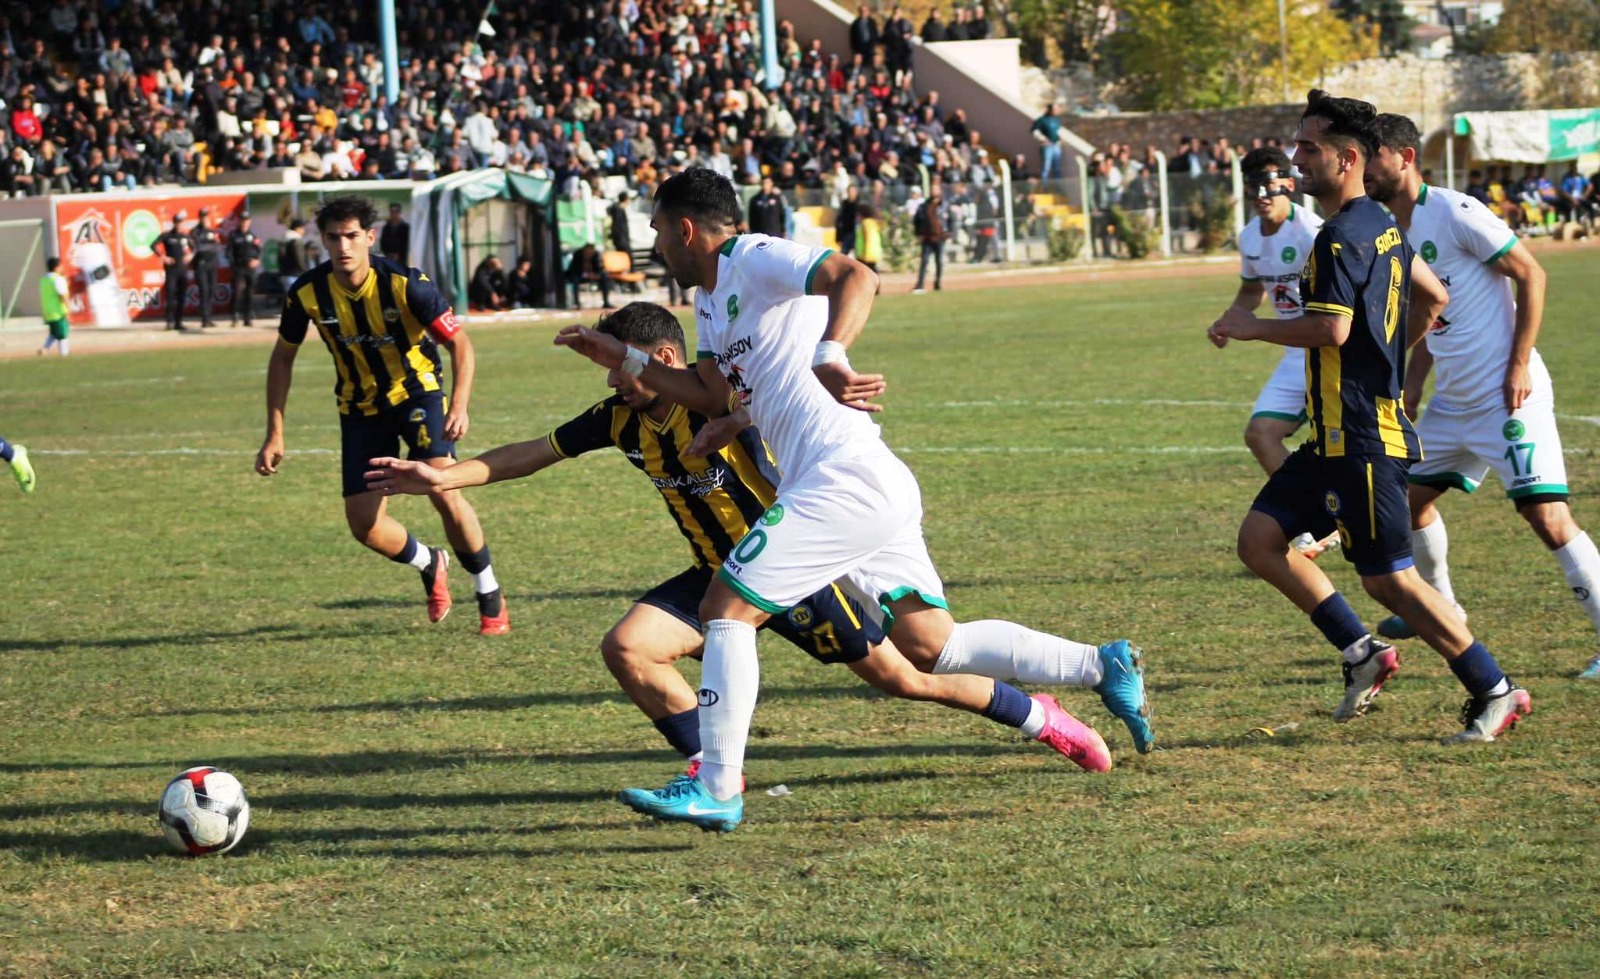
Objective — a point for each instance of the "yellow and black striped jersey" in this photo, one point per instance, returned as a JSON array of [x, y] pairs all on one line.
[[1360, 267], [381, 335], [714, 500]]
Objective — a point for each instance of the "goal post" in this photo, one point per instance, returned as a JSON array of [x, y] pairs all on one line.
[[21, 266]]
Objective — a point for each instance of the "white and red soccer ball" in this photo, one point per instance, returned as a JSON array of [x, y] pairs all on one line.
[[204, 811]]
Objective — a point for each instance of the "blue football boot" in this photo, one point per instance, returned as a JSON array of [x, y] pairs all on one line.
[[1121, 689], [686, 800]]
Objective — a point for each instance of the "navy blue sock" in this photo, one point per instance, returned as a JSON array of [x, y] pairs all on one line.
[[474, 561], [682, 731], [5, 450], [408, 552], [1477, 670], [1009, 706], [1339, 622]]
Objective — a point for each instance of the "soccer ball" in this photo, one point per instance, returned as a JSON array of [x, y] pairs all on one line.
[[204, 811]]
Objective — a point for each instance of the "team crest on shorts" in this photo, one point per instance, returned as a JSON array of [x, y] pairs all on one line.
[[1332, 502], [773, 516], [418, 414], [800, 616], [1513, 430]]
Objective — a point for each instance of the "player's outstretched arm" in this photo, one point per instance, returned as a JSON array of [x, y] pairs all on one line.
[[1428, 299], [850, 288], [280, 373], [1306, 330], [463, 370], [1250, 294], [1419, 361], [1527, 274], [414, 478], [701, 389]]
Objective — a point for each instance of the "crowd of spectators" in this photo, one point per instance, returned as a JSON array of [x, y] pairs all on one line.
[[121, 93]]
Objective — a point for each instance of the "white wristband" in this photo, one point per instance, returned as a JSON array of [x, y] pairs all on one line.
[[830, 352], [634, 361]]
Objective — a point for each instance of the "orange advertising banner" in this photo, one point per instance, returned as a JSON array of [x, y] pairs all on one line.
[[107, 253]]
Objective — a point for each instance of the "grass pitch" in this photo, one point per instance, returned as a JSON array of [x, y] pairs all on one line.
[[429, 803]]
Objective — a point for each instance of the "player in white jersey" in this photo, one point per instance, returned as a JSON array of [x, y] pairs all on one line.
[[1273, 248], [774, 320], [1493, 407]]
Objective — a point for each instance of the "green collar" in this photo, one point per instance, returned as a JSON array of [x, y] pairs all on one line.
[[727, 246], [1422, 198]]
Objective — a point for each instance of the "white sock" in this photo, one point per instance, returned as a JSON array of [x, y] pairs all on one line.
[[730, 677], [1034, 725], [1007, 651], [64, 347], [1581, 562], [423, 557], [1430, 547], [1356, 651], [483, 582]]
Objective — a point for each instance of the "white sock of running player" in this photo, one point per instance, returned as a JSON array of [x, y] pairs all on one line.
[[1430, 547], [730, 677], [1034, 725], [1007, 651], [422, 558], [1581, 562]]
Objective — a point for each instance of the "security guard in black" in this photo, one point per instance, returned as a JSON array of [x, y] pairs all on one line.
[[207, 258], [175, 248], [244, 257]]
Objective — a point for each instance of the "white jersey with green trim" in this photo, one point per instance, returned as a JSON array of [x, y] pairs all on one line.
[[762, 326], [1275, 260], [1460, 239]]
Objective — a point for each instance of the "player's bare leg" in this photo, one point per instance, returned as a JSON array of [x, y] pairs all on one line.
[[935, 642], [1264, 436], [730, 679], [367, 515], [465, 533], [1037, 717], [1264, 548], [1430, 548], [641, 650]]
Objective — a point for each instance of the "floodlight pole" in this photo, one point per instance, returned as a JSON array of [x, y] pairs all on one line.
[[770, 68], [391, 57], [1283, 49]]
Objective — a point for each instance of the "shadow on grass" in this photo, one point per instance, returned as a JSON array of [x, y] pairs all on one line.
[[361, 604], [269, 633], [499, 702], [123, 846]]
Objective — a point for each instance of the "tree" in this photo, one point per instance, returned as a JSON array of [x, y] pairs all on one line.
[[1537, 26], [1389, 17], [1203, 54], [1076, 27]]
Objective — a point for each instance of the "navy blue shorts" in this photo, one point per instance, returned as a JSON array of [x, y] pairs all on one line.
[[419, 423], [829, 626], [1362, 497]]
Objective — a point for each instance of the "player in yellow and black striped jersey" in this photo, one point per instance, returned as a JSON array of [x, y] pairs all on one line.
[[384, 324], [715, 497], [1365, 297]]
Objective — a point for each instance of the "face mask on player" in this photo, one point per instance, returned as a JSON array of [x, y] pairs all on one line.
[[1258, 186]]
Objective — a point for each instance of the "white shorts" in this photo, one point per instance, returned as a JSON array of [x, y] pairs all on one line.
[[857, 522], [1284, 395], [1460, 446]]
